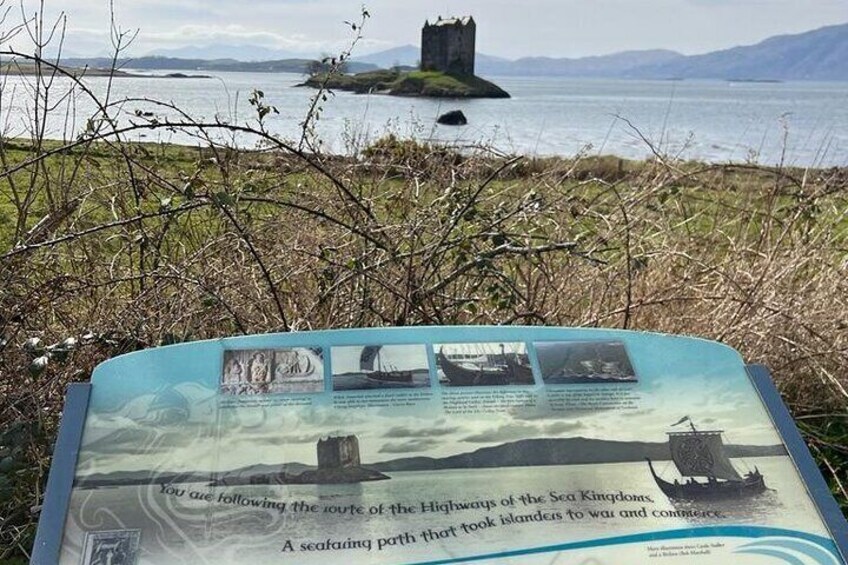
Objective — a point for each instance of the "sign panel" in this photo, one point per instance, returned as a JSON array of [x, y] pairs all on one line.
[[437, 445]]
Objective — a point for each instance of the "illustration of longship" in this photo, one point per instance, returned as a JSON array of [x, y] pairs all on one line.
[[701, 454], [372, 367], [488, 369]]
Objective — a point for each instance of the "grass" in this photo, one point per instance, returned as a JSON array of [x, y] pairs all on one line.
[[128, 246], [415, 83], [441, 85], [362, 83]]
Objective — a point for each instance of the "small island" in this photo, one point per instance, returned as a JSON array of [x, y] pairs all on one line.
[[446, 70], [432, 84], [338, 463]]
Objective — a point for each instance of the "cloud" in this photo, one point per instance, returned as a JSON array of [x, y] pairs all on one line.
[[543, 413], [323, 418], [410, 446], [129, 440], [505, 432], [508, 29], [281, 440], [637, 413], [234, 33], [122, 434], [252, 39], [556, 428], [144, 442], [523, 430], [405, 431]]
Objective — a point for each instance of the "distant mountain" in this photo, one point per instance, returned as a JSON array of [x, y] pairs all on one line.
[[406, 55], [598, 66], [148, 477], [144, 63], [410, 56], [821, 54], [562, 451], [262, 469], [522, 453], [604, 65], [241, 52], [231, 65]]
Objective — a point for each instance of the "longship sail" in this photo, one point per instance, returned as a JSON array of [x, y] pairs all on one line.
[[367, 357], [701, 454]]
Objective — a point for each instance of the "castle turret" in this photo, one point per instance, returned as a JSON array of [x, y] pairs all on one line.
[[339, 452], [447, 45]]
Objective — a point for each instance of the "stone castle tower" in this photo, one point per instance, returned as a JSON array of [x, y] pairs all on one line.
[[448, 46], [338, 452]]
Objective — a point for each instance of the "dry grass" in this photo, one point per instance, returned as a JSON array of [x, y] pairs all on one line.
[[108, 246], [148, 245]]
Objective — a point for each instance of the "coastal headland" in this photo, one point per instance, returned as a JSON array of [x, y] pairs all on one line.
[[16, 68]]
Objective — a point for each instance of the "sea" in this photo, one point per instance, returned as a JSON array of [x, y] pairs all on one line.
[[184, 528], [360, 381], [801, 124]]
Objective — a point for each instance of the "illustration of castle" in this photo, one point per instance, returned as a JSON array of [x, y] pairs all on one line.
[[338, 452], [447, 45]]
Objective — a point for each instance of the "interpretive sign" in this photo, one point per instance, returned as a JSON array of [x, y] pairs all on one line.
[[435, 445]]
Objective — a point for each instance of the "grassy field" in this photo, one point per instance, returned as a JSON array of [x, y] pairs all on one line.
[[112, 247]]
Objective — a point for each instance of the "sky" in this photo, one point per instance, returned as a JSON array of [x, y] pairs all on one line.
[[557, 28], [186, 426], [230, 439]]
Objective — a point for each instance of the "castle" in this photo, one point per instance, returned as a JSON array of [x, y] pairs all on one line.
[[339, 452], [447, 45]]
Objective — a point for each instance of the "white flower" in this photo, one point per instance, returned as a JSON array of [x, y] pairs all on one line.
[[38, 365]]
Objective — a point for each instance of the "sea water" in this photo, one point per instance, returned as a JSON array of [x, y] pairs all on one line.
[[799, 123]]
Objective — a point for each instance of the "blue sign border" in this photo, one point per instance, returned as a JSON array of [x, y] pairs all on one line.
[[804, 462]]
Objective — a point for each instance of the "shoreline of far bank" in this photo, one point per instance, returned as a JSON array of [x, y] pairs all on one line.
[[17, 69]]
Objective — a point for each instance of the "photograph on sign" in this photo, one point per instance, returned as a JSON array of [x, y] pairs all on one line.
[[273, 371], [584, 362], [483, 364], [366, 367]]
